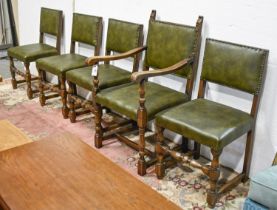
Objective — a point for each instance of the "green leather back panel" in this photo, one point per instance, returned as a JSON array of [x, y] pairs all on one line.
[[123, 36], [86, 29], [237, 66], [49, 21], [169, 43]]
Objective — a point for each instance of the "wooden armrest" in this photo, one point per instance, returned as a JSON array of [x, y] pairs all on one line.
[[138, 76], [96, 59]]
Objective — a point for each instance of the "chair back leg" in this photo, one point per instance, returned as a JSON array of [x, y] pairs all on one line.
[[12, 70], [247, 155], [41, 81], [184, 144], [196, 149], [64, 97], [98, 126], [71, 102]]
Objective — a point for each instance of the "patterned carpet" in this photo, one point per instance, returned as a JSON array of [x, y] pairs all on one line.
[[185, 188]]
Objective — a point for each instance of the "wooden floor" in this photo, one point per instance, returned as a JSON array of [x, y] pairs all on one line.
[[11, 136], [63, 173]]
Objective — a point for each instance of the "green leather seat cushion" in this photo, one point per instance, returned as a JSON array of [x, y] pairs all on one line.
[[61, 63], [263, 188], [108, 75], [206, 122], [125, 99], [32, 52]]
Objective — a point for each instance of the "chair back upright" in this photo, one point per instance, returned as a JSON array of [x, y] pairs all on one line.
[[51, 22], [86, 29], [123, 36], [168, 43], [236, 66]]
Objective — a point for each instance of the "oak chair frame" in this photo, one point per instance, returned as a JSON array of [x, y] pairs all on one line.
[[28, 77], [141, 123], [275, 160], [60, 88], [213, 170], [76, 101]]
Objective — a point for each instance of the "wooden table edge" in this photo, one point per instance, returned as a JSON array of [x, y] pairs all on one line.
[[52, 138]]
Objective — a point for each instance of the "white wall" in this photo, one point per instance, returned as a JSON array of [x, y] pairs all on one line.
[[249, 22], [15, 13]]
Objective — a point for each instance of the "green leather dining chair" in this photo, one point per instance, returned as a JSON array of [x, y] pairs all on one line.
[[86, 29], [50, 23], [171, 48], [123, 38], [213, 124]]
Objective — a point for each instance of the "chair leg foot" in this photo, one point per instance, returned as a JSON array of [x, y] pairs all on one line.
[[244, 179], [65, 112], [141, 167], [72, 116], [14, 84], [98, 143], [29, 93], [160, 170], [42, 99], [211, 198]]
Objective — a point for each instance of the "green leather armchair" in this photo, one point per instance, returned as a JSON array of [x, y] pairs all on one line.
[[86, 29], [125, 39], [50, 23], [171, 48], [213, 124]]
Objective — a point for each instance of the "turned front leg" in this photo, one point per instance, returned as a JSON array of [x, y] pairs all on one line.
[[14, 82], [41, 87], [64, 97], [142, 121], [213, 173], [98, 126], [72, 113], [97, 110], [160, 166], [28, 80]]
